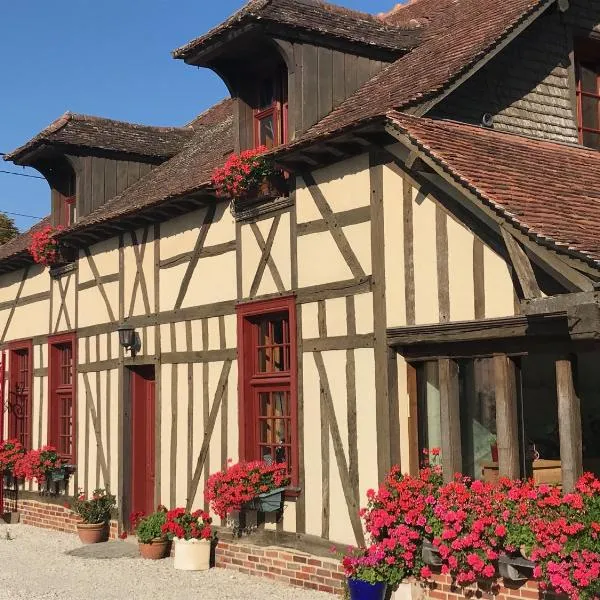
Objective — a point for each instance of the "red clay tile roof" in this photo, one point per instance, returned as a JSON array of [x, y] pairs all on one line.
[[314, 16], [187, 172], [85, 131], [549, 190], [18, 245], [458, 34]]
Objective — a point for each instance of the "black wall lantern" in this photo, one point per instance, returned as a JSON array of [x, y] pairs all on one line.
[[127, 338]]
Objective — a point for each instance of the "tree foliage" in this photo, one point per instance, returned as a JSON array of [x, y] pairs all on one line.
[[8, 229]]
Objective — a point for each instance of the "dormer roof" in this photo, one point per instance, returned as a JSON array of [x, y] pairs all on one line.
[[73, 130], [312, 16]]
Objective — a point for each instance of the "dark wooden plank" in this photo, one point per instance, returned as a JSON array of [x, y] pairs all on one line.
[[207, 252], [298, 85], [569, 422], [351, 73], [412, 390], [522, 266], [443, 276], [354, 216], [91, 409], [394, 402], [351, 404], [266, 258], [173, 449], [205, 400], [339, 78], [507, 431], [294, 240], [86, 203], [310, 86], [25, 300], [104, 279], [382, 408], [224, 401], [98, 280], [198, 356], [342, 342], [133, 172], [409, 261], [109, 401], [333, 225], [208, 430], [98, 196], [478, 278], [325, 463], [363, 70], [352, 501], [122, 174], [239, 261], [325, 59], [14, 305], [110, 179], [208, 219], [145, 168], [450, 418], [122, 278]]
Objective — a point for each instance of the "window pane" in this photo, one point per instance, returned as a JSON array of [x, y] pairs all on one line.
[[477, 414], [273, 350], [430, 435], [266, 131], [274, 426]]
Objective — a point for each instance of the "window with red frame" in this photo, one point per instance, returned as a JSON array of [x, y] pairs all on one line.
[[268, 382], [587, 67], [62, 396], [270, 114], [19, 392]]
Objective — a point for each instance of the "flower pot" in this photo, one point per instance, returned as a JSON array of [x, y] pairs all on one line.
[[92, 533], [430, 554], [267, 502], [156, 549], [363, 590], [192, 555]]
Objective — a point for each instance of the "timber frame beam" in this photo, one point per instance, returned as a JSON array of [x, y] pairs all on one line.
[[566, 267]]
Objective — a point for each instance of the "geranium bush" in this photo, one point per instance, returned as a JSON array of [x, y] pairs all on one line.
[[10, 452], [242, 174], [44, 247], [228, 490], [471, 523], [96, 509], [36, 464], [183, 524]]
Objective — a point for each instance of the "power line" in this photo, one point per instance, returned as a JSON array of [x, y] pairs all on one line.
[[21, 174], [14, 214]]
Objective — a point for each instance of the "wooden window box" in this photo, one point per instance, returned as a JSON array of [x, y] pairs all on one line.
[[544, 471], [515, 568]]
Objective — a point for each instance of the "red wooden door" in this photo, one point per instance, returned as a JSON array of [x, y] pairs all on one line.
[[142, 440]]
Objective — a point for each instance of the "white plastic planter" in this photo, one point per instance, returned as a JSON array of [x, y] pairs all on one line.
[[192, 555]]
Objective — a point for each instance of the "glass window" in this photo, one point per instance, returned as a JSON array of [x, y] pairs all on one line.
[[19, 408], [270, 113], [62, 395]]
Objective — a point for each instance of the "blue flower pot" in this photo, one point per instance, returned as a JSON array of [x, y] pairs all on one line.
[[363, 590]]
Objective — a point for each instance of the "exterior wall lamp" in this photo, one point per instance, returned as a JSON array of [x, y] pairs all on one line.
[[128, 338]]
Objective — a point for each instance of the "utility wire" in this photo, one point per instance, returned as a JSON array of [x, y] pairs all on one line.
[[21, 174], [14, 214]]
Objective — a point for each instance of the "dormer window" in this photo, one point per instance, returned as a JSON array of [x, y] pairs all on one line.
[[270, 114], [587, 63], [67, 210]]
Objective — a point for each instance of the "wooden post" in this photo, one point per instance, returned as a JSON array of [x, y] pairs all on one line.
[[412, 466], [450, 417], [569, 422], [506, 417]]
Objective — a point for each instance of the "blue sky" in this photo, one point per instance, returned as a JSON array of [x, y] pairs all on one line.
[[109, 58]]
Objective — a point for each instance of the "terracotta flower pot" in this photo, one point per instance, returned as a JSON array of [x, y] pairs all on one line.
[[92, 533], [156, 549]]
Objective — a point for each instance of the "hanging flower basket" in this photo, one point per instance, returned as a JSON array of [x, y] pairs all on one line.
[[249, 176], [430, 554], [267, 502], [47, 250]]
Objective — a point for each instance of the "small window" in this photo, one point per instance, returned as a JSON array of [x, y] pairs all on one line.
[[270, 115], [268, 382], [19, 393], [62, 396], [587, 59]]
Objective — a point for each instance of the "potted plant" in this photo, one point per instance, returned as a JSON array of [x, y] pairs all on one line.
[[370, 570], [44, 247], [10, 452], [249, 175], [254, 485], [192, 534], [95, 514], [152, 542]]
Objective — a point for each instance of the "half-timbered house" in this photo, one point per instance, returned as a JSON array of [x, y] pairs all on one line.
[[430, 279]]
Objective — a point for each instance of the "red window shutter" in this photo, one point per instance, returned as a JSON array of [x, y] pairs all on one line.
[[20, 391]]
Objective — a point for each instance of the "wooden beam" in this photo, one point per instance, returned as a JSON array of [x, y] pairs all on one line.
[[569, 422], [450, 418], [506, 417], [522, 266]]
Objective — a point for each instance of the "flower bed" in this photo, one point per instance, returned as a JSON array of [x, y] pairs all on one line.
[[471, 524]]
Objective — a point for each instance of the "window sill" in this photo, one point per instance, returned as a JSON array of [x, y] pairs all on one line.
[[292, 493]]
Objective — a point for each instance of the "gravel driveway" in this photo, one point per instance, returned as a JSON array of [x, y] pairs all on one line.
[[34, 566]]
